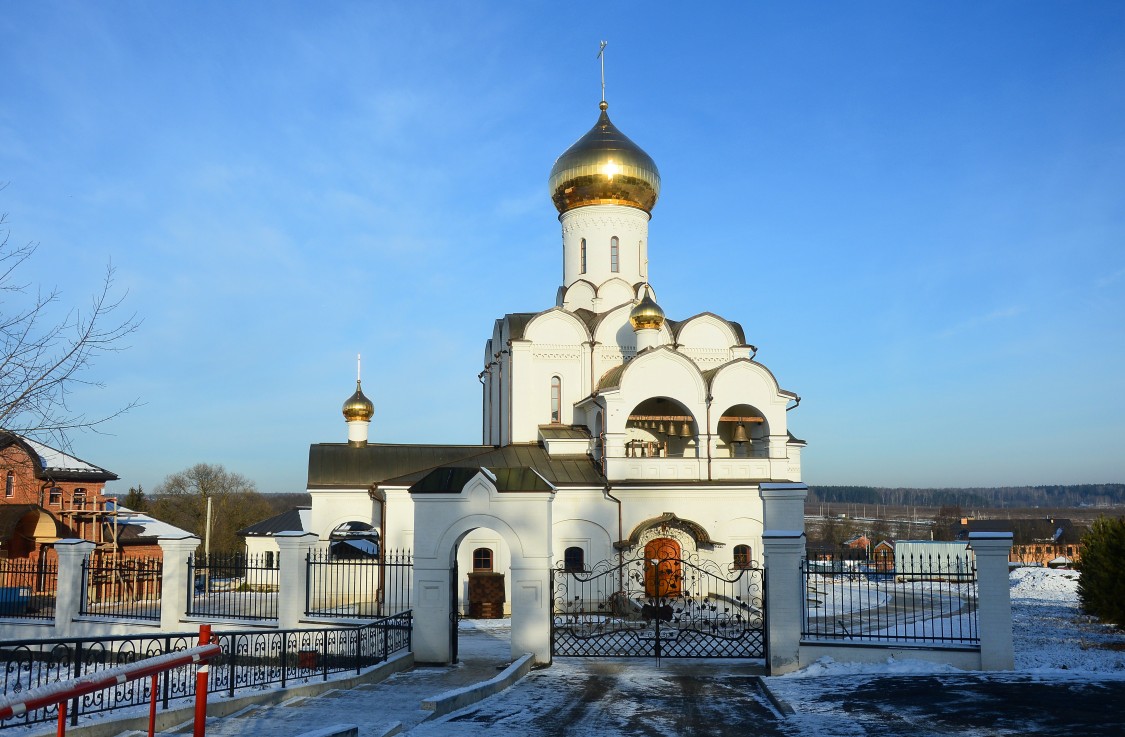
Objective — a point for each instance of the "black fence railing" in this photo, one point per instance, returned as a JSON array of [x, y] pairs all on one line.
[[251, 660], [28, 588], [357, 587], [121, 588], [919, 600], [232, 586]]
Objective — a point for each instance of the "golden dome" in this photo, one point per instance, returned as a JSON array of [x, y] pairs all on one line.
[[358, 407], [604, 168], [646, 314]]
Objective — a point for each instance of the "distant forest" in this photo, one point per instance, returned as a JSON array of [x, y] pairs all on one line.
[[1072, 495]]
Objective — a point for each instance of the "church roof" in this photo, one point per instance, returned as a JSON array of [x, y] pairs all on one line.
[[446, 480], [335, 465]]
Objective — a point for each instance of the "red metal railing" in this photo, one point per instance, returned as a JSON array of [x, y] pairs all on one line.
[[63, 691]]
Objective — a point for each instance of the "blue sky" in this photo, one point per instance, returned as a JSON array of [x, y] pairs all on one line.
[[915, 210]]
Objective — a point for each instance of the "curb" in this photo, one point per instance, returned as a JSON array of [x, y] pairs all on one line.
[[451, 701], [780, 704], [338, 730]]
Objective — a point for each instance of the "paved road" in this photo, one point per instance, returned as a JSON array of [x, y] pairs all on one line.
[[619, 698]]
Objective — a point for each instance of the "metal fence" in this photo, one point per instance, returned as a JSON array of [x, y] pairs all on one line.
[[922, 600], [28, 588], [357, 587], [121, 588], [232, 586], [251, 660]]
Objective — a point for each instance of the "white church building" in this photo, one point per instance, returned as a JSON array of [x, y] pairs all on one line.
[[608, 427]]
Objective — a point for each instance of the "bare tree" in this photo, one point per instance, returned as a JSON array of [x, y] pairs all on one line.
[[45, 354], [181, 499]]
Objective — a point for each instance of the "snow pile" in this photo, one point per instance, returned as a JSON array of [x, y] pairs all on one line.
[[1050, 632]]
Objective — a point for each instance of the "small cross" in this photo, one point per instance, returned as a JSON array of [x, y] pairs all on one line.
[[601, 57]]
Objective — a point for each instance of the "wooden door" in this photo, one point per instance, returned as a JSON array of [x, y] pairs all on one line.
[[662, 568]]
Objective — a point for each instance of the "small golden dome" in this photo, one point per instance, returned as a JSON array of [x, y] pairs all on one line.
[[604, 168], [646, 314], [358, 407]]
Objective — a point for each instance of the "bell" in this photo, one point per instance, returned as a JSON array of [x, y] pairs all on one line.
[[660, 428], [740, 435], [685, 431]]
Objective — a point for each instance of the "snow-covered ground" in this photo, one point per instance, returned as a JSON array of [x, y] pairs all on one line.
[[1050, 634]]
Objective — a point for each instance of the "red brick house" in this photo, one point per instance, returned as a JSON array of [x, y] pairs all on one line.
[[49, 494]]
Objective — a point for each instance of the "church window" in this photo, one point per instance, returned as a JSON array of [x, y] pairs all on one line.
[[79, 498], [10, 484], [55, 498], [482, 559], [556, 399], [582, 257], [742, 556], [642, 252], [614, 255], [574, 560]]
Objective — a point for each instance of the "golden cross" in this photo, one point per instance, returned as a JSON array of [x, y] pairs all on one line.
[[601, 58]]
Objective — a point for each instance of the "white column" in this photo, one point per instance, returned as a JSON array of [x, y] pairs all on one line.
[[357, 431], [175, 588], [432, 611], [531, 608], [994, 602], [785, 599], [70, 591], [292, 576], [647, 338]]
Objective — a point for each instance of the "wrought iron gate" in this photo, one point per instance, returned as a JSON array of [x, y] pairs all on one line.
[[658, 607]]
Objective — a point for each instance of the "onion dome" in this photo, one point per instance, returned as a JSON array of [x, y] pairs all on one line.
[[646, 314], [604, 168], [358, 406]]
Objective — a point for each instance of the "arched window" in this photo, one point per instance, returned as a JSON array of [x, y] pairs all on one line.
[[79, 499], [614, 255], [55, 497], [574, 559], [556, 399], [582, 257], [482, 559], [10, 484], [742, 556]]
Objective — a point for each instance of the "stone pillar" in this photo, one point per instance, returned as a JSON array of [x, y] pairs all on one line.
[[432, 611], [783, 506], [292, 576], [175, 587], [994, 602], [70, 591], [531, 608], [783, 546], [785, 599]]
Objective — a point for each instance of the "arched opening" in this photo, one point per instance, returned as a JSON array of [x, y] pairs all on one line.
[[661, 427], [614, 255], [582, 257], [354, 540], [743, 433]]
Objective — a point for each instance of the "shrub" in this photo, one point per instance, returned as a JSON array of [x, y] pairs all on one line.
[[1101, 589]]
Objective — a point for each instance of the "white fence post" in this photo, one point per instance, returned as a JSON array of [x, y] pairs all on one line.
[[783, 543], [69, 592], [174, 585], [994, 601], [292, 576]]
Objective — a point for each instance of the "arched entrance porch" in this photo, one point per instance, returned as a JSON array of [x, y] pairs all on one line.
[[441, 522]]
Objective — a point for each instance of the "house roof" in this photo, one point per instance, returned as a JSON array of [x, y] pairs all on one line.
[[137, 527], [297, 519], [1024, 531], [52, 464]]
